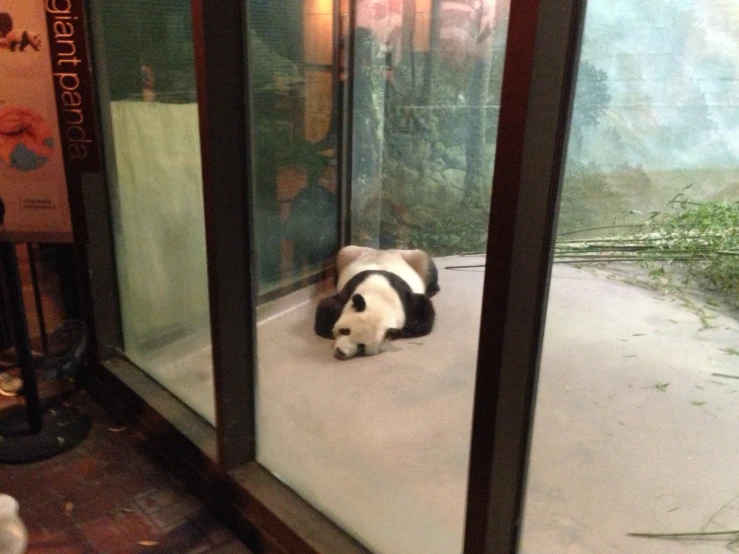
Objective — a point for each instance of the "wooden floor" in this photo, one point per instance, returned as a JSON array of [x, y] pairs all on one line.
[[106, 495]]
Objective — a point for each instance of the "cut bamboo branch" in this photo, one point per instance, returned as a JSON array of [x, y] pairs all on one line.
[[683, 535], [726, 375]]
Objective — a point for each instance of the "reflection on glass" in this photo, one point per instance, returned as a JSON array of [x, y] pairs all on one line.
[[379, 444], [295, 126], [636, 407], [146, 66], [426, 99]]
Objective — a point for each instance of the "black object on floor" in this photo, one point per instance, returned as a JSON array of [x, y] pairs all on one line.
[[62, 428], [19, 332]]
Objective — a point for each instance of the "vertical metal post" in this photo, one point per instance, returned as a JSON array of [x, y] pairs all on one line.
[[346, 128], [538, 82], [225, 127], [37, 299], [19, 330]]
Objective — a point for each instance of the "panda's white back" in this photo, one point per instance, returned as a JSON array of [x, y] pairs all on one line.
[[383, 260]]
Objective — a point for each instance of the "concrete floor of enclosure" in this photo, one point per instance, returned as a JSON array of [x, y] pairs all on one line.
[[381, 443]]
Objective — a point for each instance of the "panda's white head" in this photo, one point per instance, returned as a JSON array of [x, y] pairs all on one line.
[[361, 329], [35, 39]]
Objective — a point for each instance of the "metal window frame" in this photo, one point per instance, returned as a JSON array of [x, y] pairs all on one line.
[[114, 380], [541, 61], [228, 192], [346, 129], [225, 143]]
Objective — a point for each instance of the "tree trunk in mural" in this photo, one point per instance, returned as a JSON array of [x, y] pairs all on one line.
[[478, 99], [369, 131], [432, 58], [408, 30]]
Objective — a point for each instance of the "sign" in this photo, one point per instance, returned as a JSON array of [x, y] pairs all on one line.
[[34, 202], [70, 65]]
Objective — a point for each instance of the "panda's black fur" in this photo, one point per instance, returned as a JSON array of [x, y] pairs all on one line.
[[431, 279], [428, 273], [25, 41], [419, 311]]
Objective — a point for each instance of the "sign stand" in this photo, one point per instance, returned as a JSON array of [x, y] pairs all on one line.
[[48, 141], [38, 435]]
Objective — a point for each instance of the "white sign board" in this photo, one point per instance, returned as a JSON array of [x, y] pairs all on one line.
[[33, 187]]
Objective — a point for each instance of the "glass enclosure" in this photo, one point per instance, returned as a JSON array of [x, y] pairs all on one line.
[[146, 79], [637, 396], [380, 444], [374, 123]]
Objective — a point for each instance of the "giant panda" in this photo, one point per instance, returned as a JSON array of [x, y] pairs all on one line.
[[383, 294], [20, 39]]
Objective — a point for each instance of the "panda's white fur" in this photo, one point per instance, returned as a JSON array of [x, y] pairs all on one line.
[[383, 311], [384, 260], [382, 294]]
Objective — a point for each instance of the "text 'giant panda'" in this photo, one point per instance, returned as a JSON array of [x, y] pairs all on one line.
[[383, 294]]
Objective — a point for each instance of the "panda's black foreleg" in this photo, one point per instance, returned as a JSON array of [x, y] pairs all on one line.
[[420, 319], [328, 313], [432, 279]]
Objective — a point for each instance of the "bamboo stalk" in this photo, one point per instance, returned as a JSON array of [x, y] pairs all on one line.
[[616, 254], [678, 535], [614, 258], [588, 251], [726, 375], [599, 229], [626, 239]]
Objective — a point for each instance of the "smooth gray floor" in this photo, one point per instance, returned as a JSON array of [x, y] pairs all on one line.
[[611, 452], [380, 444]]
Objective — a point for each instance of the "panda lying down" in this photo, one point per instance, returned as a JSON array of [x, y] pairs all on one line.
[[383, 294]]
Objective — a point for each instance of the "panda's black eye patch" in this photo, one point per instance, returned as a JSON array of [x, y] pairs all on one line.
[[345, 332], [360, 349]]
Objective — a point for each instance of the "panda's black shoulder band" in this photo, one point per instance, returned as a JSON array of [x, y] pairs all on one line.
[[328, 313], [419, 310], [432, 279]]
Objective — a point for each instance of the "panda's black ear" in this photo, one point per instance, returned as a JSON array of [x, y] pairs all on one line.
[[359, 303]]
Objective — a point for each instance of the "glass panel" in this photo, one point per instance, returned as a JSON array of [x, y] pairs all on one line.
[[636, 403], [146, 71], [380, 444], [294, 98]]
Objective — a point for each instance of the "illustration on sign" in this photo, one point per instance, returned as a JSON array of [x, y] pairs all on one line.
[[26, 140], [17, 39], [33, 184]]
